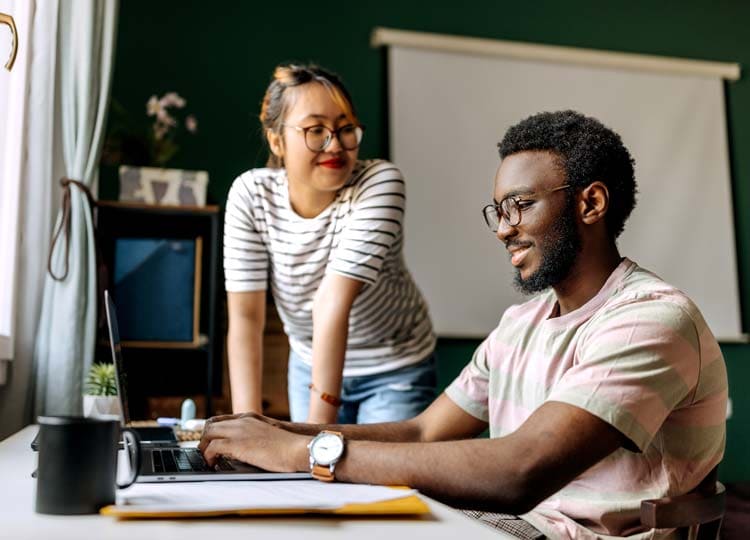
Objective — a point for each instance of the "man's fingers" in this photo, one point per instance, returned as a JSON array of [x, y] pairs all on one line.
[[230, 429], [215, 449], [211, 431]]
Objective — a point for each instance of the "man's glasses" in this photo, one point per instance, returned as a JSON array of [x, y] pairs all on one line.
[[317, 138], [510, 209]]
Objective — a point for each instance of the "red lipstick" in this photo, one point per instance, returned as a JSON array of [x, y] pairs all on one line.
[[333, 163]]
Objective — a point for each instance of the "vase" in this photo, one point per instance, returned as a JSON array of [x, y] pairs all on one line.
[[159, 186], [104, 407]]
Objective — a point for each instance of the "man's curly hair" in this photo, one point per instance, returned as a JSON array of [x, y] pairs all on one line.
[[587, 150]]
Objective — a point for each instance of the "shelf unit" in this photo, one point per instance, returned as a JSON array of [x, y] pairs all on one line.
[[170, 369]]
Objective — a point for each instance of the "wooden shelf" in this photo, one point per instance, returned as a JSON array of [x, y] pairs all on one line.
[[163, 345], [171, 208]]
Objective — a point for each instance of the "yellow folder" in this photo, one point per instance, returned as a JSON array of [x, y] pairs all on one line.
[[410, 505]]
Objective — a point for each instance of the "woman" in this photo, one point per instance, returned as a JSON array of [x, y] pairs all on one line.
[[326, 231]]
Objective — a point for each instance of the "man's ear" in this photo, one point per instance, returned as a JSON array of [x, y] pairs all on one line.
[[275, 143], [594, 202]]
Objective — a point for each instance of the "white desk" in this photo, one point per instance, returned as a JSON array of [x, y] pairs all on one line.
[[18, 521]]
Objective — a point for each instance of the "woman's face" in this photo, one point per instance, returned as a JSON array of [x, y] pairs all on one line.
[[317, 175]]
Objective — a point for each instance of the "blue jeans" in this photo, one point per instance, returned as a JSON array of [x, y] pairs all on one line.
[[384, 397]]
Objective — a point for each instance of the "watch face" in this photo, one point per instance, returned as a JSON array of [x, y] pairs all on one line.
[[327, 449]]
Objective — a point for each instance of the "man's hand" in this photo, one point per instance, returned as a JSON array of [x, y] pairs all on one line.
[[255, 440]]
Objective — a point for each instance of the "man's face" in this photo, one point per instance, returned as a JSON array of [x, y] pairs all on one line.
[[543, 247]]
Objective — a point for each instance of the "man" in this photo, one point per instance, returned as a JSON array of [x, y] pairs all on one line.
[[605, 389]]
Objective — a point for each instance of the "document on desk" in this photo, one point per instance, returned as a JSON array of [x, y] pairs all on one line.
[[191, 499]]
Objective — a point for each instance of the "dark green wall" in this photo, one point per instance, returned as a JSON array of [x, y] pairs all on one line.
[[220, 54]]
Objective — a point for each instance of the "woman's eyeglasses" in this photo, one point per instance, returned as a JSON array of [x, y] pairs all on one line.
[[317, 138]]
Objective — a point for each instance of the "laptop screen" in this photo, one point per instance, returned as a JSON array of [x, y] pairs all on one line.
[[114, 343]]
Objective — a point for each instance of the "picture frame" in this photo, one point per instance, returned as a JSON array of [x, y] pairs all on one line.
[[157, 287], [152, 185]]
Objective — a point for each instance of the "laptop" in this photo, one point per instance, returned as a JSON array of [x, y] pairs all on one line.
[[162, 459]]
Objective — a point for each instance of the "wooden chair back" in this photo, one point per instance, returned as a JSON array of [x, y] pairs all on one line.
[[697, 515]]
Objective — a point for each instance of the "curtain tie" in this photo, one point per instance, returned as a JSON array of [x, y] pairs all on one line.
[[65, 223]]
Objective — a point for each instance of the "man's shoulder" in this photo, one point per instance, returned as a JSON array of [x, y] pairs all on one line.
[[643, 304], [645, 288]]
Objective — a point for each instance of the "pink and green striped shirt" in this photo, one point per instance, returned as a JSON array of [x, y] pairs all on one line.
[[640, 357]]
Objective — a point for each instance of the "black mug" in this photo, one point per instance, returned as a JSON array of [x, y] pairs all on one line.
[[77, 471]]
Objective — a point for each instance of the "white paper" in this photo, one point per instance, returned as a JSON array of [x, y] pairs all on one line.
[[241, 495]]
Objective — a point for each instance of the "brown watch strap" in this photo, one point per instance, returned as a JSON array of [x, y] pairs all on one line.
[[322, 473]]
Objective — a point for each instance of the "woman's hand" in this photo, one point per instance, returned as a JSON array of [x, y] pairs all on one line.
[[254, 439]]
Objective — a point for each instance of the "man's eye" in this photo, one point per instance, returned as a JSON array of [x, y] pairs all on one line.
[[524, 203]]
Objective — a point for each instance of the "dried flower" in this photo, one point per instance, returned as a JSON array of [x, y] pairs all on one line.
[[127, 142], [160, 130], [153, 106], [191, 124], [163, 117], [172, 99]]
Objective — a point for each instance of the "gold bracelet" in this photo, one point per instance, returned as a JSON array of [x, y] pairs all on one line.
[[325, 396]]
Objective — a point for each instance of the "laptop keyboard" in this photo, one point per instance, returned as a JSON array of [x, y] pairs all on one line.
[[172, 460]]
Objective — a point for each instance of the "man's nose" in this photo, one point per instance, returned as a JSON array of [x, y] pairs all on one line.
[[504, 231]]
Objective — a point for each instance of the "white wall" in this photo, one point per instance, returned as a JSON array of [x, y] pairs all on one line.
[[448, 111]]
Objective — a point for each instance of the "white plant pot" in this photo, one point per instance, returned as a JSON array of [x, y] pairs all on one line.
[[105, 407]]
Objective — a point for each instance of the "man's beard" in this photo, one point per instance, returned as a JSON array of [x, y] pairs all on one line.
[[558, 250]]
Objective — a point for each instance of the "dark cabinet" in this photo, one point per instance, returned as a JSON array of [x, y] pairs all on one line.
[[171, 320]]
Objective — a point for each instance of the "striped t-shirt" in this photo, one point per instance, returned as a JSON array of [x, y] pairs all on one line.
[[640, 357], [359, 235]]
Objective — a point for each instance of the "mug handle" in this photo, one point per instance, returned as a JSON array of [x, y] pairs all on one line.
[[134, 454]]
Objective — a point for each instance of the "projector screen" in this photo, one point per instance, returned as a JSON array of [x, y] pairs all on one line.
[[448, 110]]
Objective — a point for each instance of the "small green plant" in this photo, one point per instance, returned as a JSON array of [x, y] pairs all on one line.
[[101, 380]]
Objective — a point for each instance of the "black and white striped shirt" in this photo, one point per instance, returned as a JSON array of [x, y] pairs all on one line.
[[359, 235]]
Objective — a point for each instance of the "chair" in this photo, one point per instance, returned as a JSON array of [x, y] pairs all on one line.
[[697, 515]]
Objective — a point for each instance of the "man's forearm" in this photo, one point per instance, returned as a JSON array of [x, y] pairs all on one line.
[[447, 471], [508, 474]]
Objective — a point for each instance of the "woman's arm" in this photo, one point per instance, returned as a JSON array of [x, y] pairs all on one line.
[[247, 319], [331, 306]]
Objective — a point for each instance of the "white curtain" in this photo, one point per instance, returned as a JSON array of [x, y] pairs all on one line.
[[30, 162], [13, 104], [67, 326]]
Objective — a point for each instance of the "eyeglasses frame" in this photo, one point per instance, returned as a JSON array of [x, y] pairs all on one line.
[[516, 199], [331, 134]]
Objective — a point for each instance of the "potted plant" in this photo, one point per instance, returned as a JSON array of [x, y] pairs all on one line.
[[100, 399]]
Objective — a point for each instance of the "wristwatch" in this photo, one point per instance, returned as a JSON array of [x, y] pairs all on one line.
[[326, 450]]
